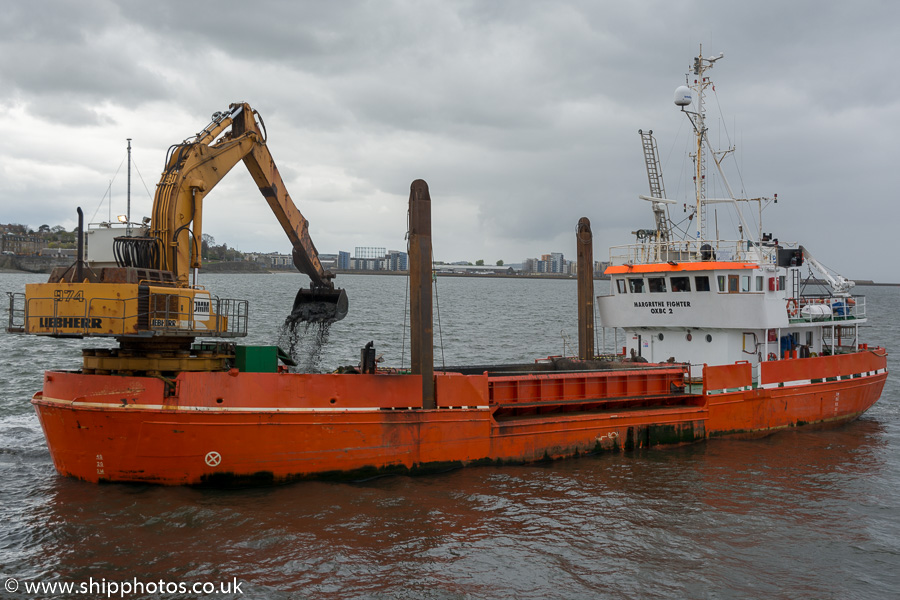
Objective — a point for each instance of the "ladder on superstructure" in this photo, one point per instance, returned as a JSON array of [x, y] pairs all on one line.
[[654, 175], [651, 157]]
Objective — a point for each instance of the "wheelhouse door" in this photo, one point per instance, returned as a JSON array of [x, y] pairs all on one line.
[[733, 284]]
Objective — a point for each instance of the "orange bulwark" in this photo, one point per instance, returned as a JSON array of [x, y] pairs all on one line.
[[672, 267], [227, 428]]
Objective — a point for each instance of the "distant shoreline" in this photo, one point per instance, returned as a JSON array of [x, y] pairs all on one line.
[[483, 276], [219, 268]]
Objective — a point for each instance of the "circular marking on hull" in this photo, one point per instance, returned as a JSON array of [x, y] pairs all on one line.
[[213, 459]]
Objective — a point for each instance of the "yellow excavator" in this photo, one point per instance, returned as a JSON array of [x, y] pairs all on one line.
[[147, 301]]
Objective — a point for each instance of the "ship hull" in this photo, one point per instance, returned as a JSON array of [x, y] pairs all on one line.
[[260, 428]]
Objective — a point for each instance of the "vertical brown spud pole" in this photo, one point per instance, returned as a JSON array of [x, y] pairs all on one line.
[[584, 240], [420, 303]]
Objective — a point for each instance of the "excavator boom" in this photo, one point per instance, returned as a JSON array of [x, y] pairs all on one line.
[[194, 167], [147, 301]]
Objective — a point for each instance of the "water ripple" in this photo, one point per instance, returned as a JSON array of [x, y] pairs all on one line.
[[800, 514]]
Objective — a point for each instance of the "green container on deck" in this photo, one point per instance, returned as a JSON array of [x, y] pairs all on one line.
[[256, 359]]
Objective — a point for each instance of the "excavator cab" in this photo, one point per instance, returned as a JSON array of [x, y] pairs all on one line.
[[319, 304]]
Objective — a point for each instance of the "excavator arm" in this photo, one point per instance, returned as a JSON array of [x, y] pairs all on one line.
[[146, 300], [194, 167]]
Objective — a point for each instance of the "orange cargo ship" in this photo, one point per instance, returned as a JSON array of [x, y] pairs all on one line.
[[720, 338], [237, 428]]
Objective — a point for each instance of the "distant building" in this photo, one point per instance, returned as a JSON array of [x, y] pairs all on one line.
[[600, 267], [528, 265], [15, 239], [367, 264], [397, 261], [369, 252], [274, 260], [329, 261], [557, 263], [473, 269], [553, 262], [370, 258]]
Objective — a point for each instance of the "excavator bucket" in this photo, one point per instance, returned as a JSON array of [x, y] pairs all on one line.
[[320, 305]]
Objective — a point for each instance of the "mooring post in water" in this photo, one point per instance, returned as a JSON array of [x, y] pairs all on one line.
[[421, 337], [584, 241]]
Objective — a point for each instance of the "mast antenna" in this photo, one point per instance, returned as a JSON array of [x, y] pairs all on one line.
[[128, 211]]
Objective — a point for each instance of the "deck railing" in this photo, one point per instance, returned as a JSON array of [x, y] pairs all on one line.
[[163, 314], [653, 251], [827, 309], [16, 322]]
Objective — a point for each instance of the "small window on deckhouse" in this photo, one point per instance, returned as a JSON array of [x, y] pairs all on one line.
[[636, 285], [681, 284], [620, 285], [656, 284]]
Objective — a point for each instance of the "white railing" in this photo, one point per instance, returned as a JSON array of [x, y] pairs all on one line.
[[16, 323], [827, 308], [653, 251], [611, 341]]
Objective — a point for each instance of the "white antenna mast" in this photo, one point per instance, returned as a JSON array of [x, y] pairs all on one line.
[[684, 97]]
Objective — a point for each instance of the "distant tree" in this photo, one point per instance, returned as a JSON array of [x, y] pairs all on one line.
[[44, 228], [500, 263], [207, 242], [217, 252], [479, 262], [57, 229]]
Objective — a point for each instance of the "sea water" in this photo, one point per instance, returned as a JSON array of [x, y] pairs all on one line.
[[803, 513]]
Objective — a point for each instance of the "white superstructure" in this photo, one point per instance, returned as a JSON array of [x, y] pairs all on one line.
[[707, 301]]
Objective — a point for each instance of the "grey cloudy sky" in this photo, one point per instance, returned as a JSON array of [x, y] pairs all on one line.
[[521, 116]]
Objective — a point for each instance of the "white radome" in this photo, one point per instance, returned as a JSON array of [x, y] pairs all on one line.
[[683, 96]]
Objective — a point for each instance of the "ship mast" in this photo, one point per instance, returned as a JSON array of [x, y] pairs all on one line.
[[701, 82], [128, 211], [683, 98]]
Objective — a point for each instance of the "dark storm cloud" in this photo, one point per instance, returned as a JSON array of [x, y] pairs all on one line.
[[61, 59], [522, 116]]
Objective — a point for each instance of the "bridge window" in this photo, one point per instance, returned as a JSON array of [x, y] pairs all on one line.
[[759, 283], [636, 285], [701, 283], [745, 283], [620, 285], [681, 284], [656, 284], [721, 280]]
